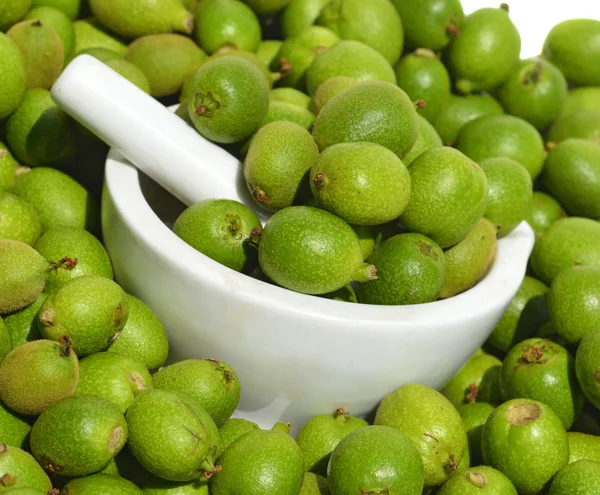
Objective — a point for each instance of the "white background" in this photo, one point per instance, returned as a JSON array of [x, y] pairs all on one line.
[[534, 18]]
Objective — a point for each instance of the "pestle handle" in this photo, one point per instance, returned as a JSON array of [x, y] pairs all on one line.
[[150, 136]]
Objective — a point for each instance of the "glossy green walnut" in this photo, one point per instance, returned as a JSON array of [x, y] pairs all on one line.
[[424, 77], [39, 132], [321, 434], [376, 24], [573, 302], [410, 270], [526, 313], [290, 95], [279, 158], [478, 480], [22, 325], [535, 91], [387, 458], [469, 260], [362, 183], [89, 33], [587, 364], [90, 309], [226, 22], [262, 461], [430, 23], [572, 175], [57, 20], [71, 8], [583, 446], [545, 210], [38, 374], [460, 110], [485, 53], [167, 60], [510, 190], [78, 435], [351, 117], [230, 100], [432, 424], [75, 243], [143, 17], [18, 219], [503, 136], [572, 46], [527, 442], [330, 88], [171, 435], [477, 381], [233, 429], [352, 59], [291, 251], [579, 478], [214, 384], [542, 370], [449, 195], [567, 242], [222, 229]]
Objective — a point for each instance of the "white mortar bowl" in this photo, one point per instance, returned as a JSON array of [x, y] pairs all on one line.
[[296, 355]]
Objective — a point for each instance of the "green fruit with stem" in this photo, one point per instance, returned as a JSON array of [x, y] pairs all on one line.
[[57, 20], [478, 480], [485, 53], [544, 371], [224, 230], [78, 435], [432, 424], [38, 374], [172, 436], [143, 17], [478, 380], [288, 258], [376, 458], [42, 49], [410, 270], [535, 91], [299, 15], [579, 478], [424, 77], [221, 23], [101, 483], [527, 442], [90, 309], [431, 24], [362, 183]]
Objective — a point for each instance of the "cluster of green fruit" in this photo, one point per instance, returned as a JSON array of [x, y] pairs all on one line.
[[340, 115]]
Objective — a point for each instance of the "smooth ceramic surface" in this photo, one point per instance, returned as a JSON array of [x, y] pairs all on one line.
[[296, 355]]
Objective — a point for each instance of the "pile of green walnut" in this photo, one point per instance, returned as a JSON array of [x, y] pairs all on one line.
[[395, 141]]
